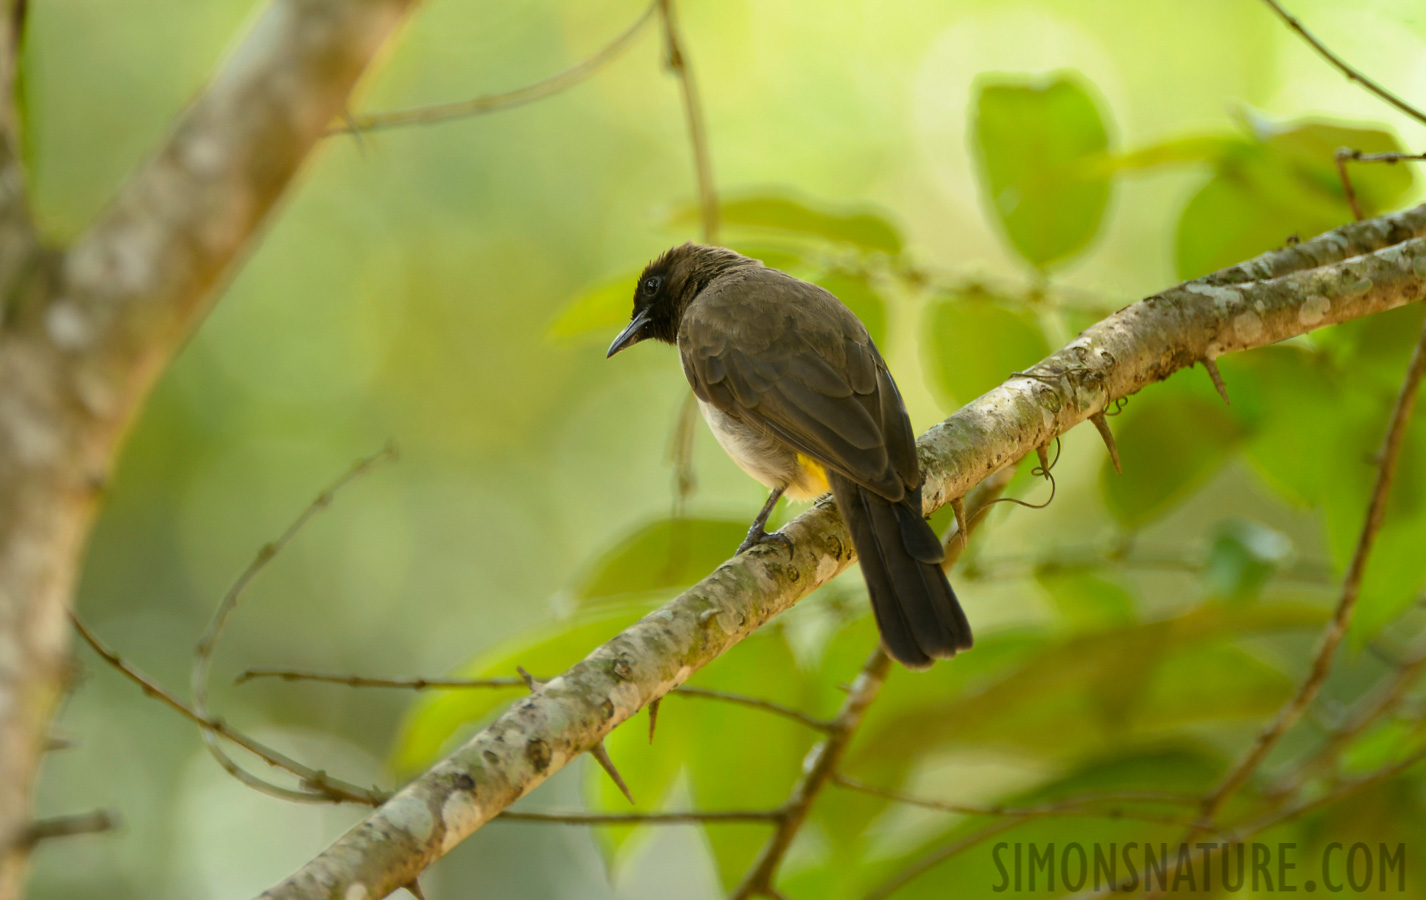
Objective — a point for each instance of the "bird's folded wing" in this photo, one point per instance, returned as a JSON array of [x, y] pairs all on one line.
[[829, 398]]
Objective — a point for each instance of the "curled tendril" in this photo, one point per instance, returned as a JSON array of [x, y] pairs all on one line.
[[1038, 472]]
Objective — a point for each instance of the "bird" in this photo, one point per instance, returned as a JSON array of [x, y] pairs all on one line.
[[795, 391]]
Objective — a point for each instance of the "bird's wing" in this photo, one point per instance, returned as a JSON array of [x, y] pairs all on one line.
[[787, 357]]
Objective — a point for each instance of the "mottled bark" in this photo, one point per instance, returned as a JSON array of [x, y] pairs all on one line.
[[1318, 283], [84, 332]]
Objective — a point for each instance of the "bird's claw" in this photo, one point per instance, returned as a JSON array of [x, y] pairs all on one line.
[[757, 536]]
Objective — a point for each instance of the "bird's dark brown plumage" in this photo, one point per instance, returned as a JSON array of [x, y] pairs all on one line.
[[791, 382]]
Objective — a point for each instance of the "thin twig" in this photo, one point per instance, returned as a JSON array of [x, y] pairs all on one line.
[[100, 820], [819, 767], [421, 683], [320, 791], [318, 780], [677, 61], [1077, 807], [1387, 699], [1336, 629], [1342, 66], [680, 454], [488, 103], [1346, 154], [786, 712], [1245, 830], [690, 817], [935, 858], [821, 763], [1189, 560], [413, 683]]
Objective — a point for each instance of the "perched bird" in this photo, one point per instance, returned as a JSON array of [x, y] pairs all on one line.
[[797, 394]]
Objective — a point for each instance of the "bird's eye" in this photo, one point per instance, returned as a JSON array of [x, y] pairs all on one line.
[[652, 284]]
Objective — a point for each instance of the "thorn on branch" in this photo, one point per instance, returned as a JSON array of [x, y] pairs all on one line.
[[1212, 366], [413, 887], [1102, 425], [601, 756], [958, 506], [654, 717]]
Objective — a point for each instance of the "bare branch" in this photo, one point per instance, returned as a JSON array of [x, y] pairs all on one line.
[[488, 103], [1342, 66], [1336, 629], [1089, 806], [1345, 155], [334, 790], [421, 683], [821, 764], [203, 654], [100, 820], [691, 817], [677, 60], [1143, 343]]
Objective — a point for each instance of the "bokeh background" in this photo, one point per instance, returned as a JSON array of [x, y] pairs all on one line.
[[417, 287]]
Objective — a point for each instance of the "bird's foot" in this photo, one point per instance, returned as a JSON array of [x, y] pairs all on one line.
[[757, 536]]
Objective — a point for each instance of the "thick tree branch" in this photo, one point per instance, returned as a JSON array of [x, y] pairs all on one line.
[[1144, 343], [84, 334]]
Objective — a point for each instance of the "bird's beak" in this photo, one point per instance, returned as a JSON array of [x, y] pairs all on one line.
[[630, 334]]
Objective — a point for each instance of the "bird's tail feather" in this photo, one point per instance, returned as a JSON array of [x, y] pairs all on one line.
[[916, 611]]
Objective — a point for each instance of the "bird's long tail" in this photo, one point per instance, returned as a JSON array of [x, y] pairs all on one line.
[[916, 611]]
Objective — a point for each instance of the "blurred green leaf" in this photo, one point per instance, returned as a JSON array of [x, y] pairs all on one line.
[[1282, 182], [438, 716], [861, 298], [1071, 688], [1280, 394], [982, 871], [1175, 151], [1087, 599], [1169, 444], [973, 344], [777, 212], [1242, 556], [1037, 145], [604, 308], [665, 554]]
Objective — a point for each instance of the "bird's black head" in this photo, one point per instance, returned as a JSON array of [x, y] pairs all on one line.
[[668, 285]]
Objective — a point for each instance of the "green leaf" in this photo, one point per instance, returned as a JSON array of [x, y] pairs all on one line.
[[973, 344], [860, 228], [1242, 556], [1176, 151], [860, 297], [1281, 394], [990, 868], [1282, 182], [1041, 148], [604, 308], [1140, 678], [1087, 599], [439, 716], [660, 556], [1169, 444]]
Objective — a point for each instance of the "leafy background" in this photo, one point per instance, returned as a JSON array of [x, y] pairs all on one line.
[[978, 180]]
